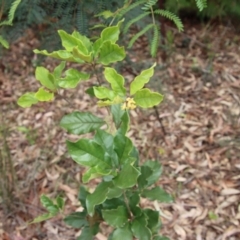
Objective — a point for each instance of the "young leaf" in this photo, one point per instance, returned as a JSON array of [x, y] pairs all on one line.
[[60, 54], [45, 78], [86, 41], [76, 220], [73, 77], [140, 80], [58, 70], [104, 93], [147, 99], [110, 34], [127, 177], [116, 80], [60, 202], [120, 232], [44, 96], [146, 172], [81, 122], [42, 218], [87, 153], [27, 100], [157, 193], [110, 53], [69, 42], [49, 205], [98, 196], [140, 229], [116, 217], [78, 54]]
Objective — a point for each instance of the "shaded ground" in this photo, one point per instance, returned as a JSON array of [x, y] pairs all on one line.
[[200, 151]]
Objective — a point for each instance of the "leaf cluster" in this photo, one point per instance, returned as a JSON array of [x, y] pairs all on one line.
[[110, 154]]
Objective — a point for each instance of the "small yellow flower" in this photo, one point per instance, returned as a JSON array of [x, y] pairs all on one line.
[[129, 104]]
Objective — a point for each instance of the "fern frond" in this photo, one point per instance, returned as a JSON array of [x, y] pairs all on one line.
[[136, 19], [172, 17], [155, 41], [139, 34], [201, 4], [149, 4], [132, 6], [11, 13]]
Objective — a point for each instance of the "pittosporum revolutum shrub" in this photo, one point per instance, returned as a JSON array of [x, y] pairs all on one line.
[[110, 155]]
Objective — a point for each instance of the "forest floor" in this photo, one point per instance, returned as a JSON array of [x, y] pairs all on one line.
[[199, 147]]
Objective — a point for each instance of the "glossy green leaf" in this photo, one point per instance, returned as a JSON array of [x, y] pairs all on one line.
[[27, 100], [4, 42], [147, 99], [110, 53], [76, 219], [160, 238], [146, 172], [156, 171], [153, 220], [44, 96], [60, 54], [125, 121], [140, 229], [82, 195], [134, 200], [122, 233], [42, 218], [87, 153], [140, 80], [70, 41], [98, 196], [127, 177], [103, 93], [116, 80], [157, 193], [81, 122], [86, 234], [104, 139], [72, 78], [116, 217], [45, 78], [58, 70], [117, 114], [49, 205], [122, 146], [114, 192]]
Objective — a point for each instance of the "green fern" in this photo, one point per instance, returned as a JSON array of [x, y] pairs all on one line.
[[139, 34], [139, 17], [150, 3], [172, 17], [130, 7], [201, 4], [155, 41], [11, 13]]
